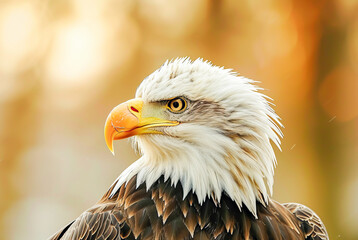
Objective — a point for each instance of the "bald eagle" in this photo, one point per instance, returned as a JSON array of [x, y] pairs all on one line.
[[206, 167]]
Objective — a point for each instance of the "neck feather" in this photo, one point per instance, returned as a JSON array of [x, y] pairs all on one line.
[[242, 167]]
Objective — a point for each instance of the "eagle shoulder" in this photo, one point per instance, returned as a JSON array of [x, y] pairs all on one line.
[[103, 221], [311, 224], [108, 219]]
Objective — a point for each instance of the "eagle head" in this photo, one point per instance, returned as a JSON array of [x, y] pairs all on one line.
[[203, 126]]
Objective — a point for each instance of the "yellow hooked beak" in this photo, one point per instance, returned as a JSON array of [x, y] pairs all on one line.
[[126, 120]]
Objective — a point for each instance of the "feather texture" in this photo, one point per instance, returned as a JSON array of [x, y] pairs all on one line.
[[133, 213]]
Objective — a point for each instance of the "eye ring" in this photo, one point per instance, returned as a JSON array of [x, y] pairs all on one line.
[[177, 105]]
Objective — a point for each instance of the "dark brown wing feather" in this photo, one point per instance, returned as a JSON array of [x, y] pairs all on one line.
[[162, 213], [311, 224]]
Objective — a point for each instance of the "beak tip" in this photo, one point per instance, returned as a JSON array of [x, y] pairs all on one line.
[[110, 147], [109, 134]]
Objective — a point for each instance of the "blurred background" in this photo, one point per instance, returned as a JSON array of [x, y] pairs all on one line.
[[65, 64]]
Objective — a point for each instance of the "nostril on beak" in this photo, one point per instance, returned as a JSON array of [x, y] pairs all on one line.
[[134, 109]]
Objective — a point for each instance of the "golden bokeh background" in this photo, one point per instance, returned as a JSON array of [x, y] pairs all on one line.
[[65, 64]]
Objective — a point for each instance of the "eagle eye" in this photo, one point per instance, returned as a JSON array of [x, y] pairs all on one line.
[[177, 105]]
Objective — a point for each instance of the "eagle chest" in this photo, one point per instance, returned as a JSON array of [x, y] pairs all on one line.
[[163, 213]]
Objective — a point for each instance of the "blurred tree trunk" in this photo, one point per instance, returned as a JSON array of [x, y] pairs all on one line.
[[327, 137], [19, 118]]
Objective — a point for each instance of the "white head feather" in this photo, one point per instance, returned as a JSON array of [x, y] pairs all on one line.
[[223, 142]]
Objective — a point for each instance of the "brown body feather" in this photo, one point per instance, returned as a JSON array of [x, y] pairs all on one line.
[[162, 213]]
